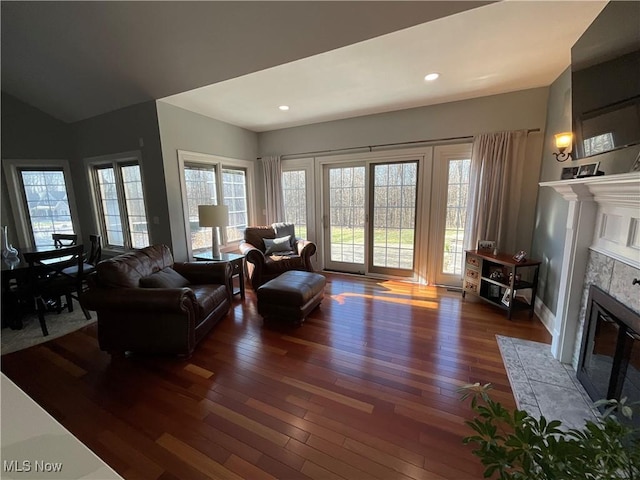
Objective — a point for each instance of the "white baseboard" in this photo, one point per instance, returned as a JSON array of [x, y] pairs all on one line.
[[545, 315]]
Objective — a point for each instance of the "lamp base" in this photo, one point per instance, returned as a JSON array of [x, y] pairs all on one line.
[[215, 247]]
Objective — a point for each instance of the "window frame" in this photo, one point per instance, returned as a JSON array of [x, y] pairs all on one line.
[[306, 165], [218, 163], [21, 218], [115, 161], [443, 154]]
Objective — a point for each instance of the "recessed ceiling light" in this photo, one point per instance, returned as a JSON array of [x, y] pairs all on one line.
[[431, 77], [284, 107]]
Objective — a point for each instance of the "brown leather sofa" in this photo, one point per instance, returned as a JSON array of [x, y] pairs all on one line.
[[148, 303], [263, 264]]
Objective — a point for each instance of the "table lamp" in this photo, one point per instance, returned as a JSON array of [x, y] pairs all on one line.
[[213, 216]]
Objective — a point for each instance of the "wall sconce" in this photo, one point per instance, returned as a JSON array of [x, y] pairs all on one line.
[[563, 143]]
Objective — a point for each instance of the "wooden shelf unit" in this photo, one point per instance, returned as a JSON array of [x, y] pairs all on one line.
[[480, 265]]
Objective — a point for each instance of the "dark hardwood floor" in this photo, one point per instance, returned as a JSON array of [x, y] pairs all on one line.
[[365, 388]]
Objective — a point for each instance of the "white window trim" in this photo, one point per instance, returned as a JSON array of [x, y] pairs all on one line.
[[133, 156], [218, 162], [14, 186]]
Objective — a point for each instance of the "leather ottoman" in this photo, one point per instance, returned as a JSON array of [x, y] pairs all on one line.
[[291, 296]]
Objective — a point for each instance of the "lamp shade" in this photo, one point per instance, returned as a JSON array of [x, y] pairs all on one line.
[[564, 140], [213, 215]]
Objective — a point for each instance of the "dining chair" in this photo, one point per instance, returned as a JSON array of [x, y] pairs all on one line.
[[64, 239], [95, 254], [48, 280]]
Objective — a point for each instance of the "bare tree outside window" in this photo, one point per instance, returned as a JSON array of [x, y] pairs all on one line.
[[234, 195], [458, 187], [136, 211], [47, 203], [122, 198], [200, 182], [347, 213], [394, 206], [294, 190]]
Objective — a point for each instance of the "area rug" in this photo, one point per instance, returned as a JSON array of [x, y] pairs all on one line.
[[542, 385], [31, 333]]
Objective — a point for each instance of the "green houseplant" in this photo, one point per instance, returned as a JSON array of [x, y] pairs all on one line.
[[513, 445]]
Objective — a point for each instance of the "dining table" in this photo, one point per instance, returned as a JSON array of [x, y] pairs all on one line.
[[14, 274]]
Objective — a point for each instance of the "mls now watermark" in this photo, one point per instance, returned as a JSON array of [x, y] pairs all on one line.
[[18, 466]]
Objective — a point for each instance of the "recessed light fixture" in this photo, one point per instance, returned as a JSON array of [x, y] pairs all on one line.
[[284, 108], [431, 77]]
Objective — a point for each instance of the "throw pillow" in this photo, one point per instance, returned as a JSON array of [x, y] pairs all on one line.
[[165, 278], [280, 244], [283, 229]]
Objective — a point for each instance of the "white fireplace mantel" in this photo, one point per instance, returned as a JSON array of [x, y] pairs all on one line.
[[604, 215], [622, 189]]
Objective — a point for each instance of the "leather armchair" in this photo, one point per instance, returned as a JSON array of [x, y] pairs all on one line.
[[148, 303], [263, 266]]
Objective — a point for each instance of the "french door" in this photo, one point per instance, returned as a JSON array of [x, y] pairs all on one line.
[[345, 217], [370, 217], [449, 211]]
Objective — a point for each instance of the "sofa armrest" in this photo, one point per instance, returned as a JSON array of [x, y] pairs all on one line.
[[255, 263], [202, 273], [145, 300], [306, 249], [252, 254]]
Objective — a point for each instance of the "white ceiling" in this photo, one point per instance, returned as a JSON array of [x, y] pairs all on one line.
[[497, 48]]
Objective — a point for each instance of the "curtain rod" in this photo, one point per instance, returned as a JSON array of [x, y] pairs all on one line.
[[382, 145]]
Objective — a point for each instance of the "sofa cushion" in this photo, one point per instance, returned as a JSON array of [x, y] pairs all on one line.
[[208, 297], [126, 270], [280, 244], [165, 278]]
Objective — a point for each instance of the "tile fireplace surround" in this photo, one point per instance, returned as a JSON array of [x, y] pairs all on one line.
[[602, 246]]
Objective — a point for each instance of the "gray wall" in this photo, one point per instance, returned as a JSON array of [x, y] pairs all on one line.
[[552, 210], [116, 132], [184, 130], [511, 111], [28, 133]]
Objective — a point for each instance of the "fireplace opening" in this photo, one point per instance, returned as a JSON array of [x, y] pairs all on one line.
[[609, 365]]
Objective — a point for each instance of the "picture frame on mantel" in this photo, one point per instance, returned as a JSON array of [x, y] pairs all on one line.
[[569, 172], [588, 170]]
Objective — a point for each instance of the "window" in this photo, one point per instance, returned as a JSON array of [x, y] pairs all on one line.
[[121, 204], [210, 180], [598, 144], [200, 182], [394, 214], [47, 203], [458, 187], [448, 211], [234, 195], [294, 190]]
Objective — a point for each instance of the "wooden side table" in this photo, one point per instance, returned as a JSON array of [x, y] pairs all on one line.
[[496, 278], [237, 266]]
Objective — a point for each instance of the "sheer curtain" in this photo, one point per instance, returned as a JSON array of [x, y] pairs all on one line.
[[274, 202], [498, 164]]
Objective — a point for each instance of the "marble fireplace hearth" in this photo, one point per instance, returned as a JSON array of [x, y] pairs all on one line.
[[542, 385]]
